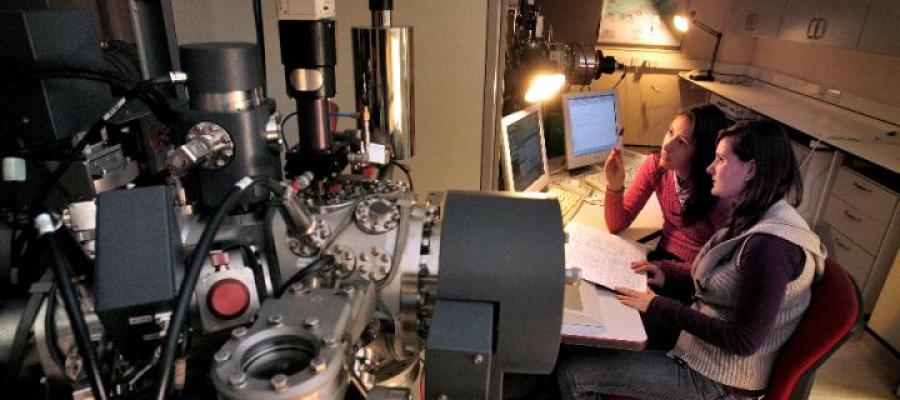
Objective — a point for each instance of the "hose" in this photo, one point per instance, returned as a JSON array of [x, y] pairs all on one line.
[[46, 228], [192, 274], [50, 331], [305, 272]]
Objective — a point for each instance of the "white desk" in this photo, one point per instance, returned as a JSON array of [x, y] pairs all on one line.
[[623, 329]]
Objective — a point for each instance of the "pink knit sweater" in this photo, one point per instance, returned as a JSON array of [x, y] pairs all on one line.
[[678, 239]]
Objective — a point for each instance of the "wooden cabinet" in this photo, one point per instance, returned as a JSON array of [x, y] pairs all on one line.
[[881, 33], [827, 22], [862, 230], [760, 18]]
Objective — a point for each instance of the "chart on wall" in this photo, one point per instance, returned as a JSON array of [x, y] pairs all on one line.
[[640, 23]]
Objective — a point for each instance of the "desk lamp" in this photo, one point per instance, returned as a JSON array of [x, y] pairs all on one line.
[[682, 23]]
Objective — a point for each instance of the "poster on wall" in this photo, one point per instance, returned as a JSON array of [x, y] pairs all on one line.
[[640, 23]]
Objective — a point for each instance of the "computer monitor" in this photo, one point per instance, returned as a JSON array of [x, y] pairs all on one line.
[[591, 122], [524, 158]]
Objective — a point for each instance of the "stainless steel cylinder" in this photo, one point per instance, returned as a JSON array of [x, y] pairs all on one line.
[[383, 68]]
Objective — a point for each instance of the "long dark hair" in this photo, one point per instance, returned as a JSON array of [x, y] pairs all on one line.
[[777, 174], [707, 121]]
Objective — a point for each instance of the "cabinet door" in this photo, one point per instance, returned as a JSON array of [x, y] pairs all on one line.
[[841, 22], [827, 22], [799, 19], [882, 29], [760, 18]]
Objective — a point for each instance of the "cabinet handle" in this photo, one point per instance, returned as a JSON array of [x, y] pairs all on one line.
[[861, 187], [823, 23], [838, 242], [809, 28], [851, 216]]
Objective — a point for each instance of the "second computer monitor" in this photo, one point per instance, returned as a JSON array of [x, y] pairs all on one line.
[[591, 121], [525, 167]]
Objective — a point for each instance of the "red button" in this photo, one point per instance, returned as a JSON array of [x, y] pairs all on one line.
[[228, 298]]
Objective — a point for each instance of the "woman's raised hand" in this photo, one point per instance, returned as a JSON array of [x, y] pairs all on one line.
[[615, 171]]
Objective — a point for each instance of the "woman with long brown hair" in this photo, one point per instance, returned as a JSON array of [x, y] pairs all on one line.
[[691, 214]]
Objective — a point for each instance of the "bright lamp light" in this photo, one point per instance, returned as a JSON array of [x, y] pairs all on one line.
[[682, 23], [543, 86]]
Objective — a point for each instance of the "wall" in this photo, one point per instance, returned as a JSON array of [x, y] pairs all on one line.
[[871, 76], [652, 94], [448, 52]]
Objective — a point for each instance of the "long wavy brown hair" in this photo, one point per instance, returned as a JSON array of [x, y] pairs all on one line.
[[777, 173], [707, 120]]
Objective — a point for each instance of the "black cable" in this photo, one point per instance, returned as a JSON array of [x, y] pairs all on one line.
[[283, 122], [132, 89], [192, 274], [406, 170], [11, 79], [143, 91], [37, 201], [621, 78], [73, 308], [305, 272], [50, 331], [19, 344]]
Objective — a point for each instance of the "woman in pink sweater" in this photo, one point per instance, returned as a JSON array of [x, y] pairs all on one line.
[[691, 214]]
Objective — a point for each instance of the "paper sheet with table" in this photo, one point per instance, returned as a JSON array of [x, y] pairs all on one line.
[[604, 258]]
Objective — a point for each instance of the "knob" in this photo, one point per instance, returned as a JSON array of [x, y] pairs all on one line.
[[228, 298]]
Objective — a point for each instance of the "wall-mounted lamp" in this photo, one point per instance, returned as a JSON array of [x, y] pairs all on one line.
[[537, 69], [682, 23], [543, 85]]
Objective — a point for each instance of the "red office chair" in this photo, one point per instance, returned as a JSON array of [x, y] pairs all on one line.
[[833, 316]]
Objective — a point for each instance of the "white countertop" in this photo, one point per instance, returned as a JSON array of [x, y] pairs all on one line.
[[845, 130]]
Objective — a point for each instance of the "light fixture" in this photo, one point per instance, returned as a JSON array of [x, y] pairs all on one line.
[[544, 85], [682, 23], [537, 68]]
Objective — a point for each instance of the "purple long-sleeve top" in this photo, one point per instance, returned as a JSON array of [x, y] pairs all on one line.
[[768, 263]]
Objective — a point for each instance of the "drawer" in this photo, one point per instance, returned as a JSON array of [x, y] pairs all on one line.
[[853, 258], [862, 229], [869, 197]]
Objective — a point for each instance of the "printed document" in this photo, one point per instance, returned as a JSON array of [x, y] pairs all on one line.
[[604, 258]]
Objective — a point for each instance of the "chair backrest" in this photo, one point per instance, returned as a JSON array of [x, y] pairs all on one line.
[[834, 314]]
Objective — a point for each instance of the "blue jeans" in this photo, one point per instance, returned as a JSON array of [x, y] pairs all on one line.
[[585, 373]]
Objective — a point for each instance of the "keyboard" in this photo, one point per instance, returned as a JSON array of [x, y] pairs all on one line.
[[569, 202]]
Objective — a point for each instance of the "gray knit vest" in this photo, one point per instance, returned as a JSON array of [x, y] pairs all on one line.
[[715, 270]]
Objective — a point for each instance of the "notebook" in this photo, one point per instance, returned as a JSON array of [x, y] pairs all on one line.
[[604, 258]]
